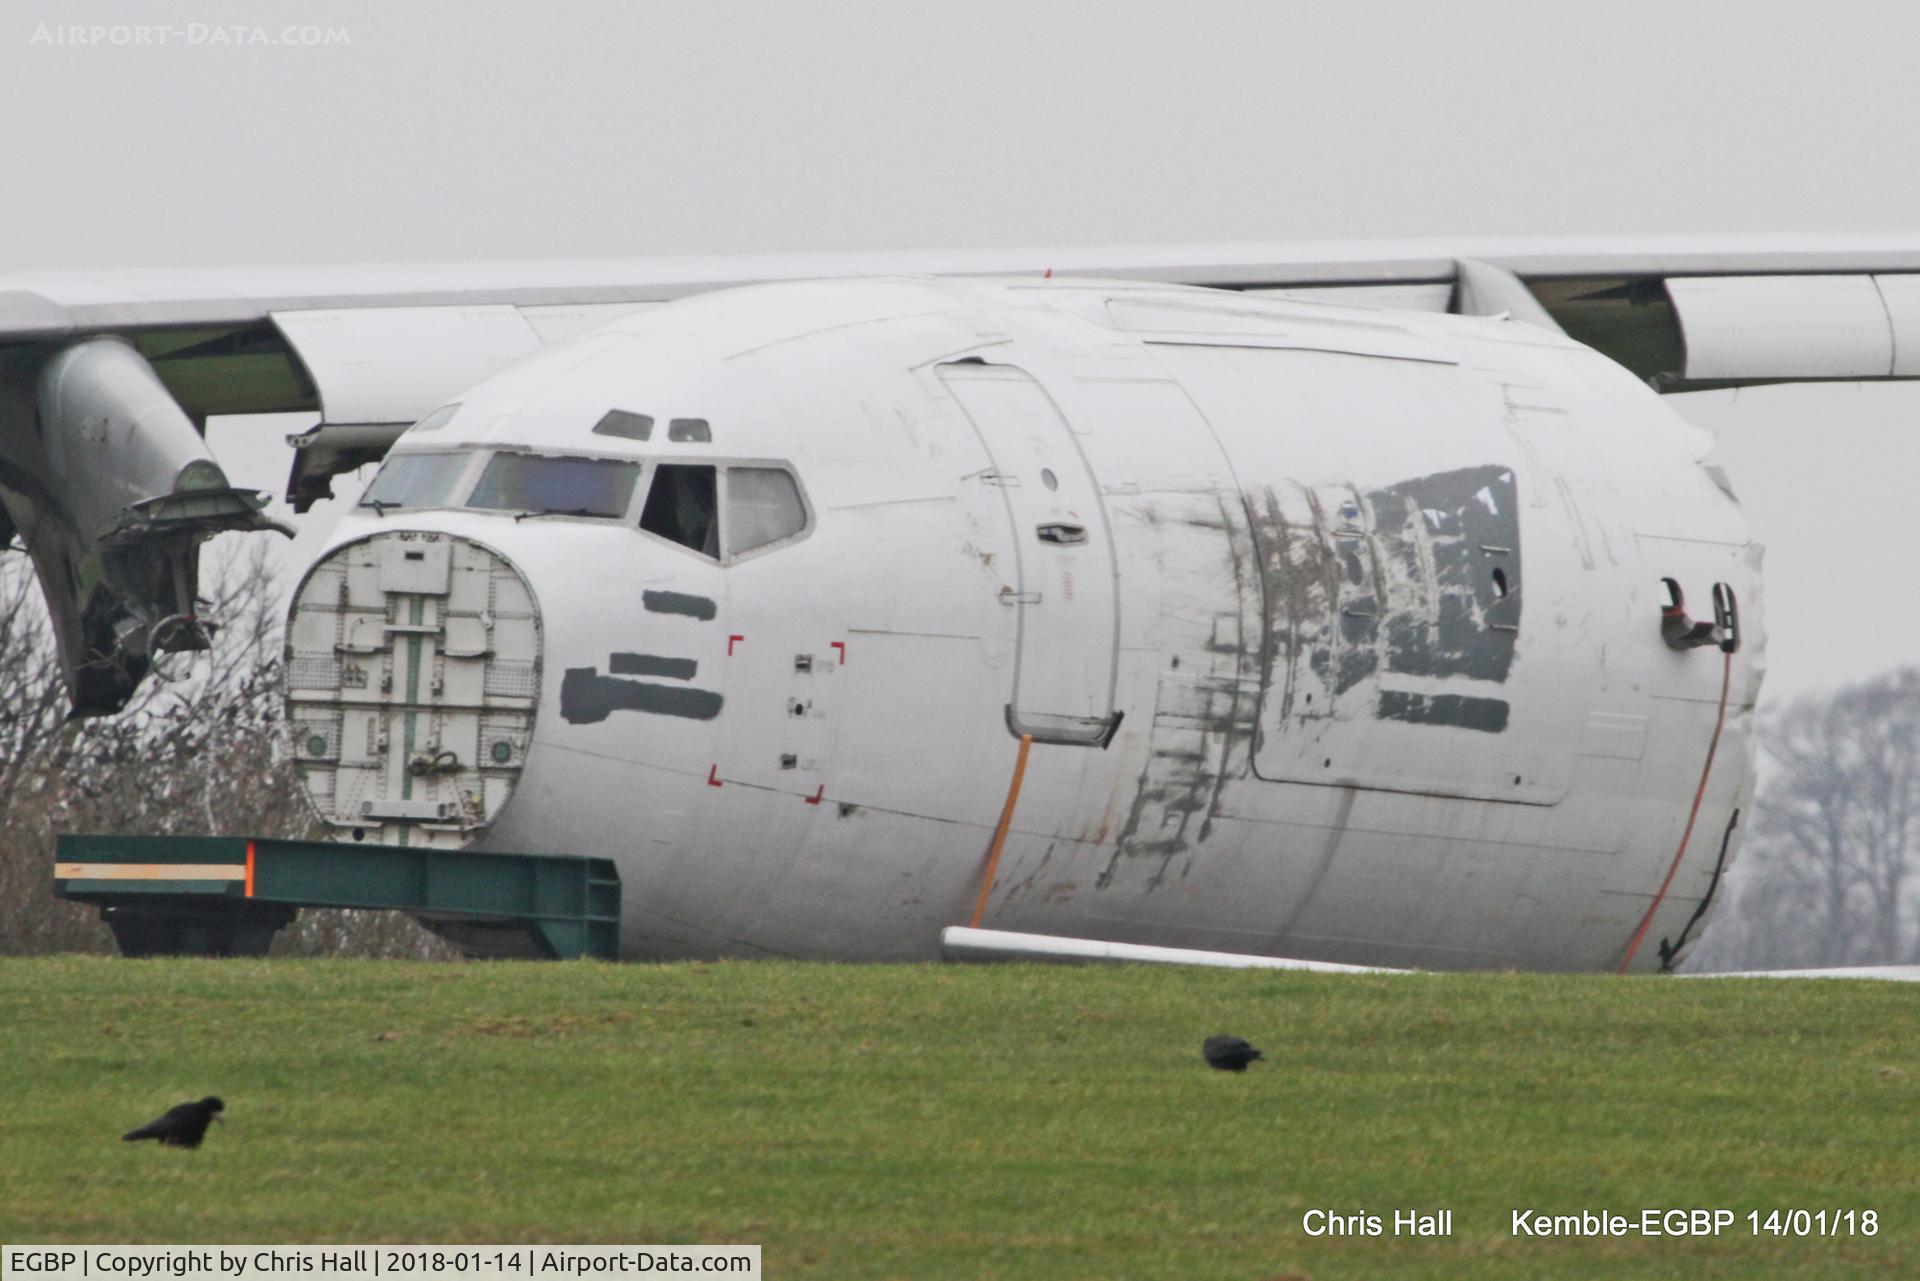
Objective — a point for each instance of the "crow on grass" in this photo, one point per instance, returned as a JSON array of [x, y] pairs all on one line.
[[1228, 1053], [180, 1127]]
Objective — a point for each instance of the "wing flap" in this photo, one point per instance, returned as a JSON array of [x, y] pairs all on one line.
[[394, 365]]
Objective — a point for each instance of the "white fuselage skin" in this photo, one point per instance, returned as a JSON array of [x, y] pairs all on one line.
[[1341, 734]]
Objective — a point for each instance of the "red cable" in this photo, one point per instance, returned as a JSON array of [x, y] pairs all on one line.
[[1639, 935]]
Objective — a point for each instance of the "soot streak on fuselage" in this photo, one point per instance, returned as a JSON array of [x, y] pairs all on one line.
[[1203, 722]]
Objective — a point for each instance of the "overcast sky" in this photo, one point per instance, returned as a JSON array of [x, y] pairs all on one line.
[[371, 132]]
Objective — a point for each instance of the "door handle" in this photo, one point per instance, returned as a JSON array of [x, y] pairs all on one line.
[[1062, 535]]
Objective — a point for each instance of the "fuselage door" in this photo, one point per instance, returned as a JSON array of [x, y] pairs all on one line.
[[1063, 566]]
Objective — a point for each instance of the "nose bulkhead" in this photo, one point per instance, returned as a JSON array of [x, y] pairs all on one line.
[[413, 670]]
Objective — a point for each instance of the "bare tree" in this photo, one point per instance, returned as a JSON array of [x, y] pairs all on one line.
[[200, 751], [1830, 852]]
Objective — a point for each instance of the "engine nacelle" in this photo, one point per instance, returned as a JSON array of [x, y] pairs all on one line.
[[111, 486]]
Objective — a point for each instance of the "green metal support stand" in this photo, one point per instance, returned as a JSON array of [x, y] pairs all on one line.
[[228, 895]]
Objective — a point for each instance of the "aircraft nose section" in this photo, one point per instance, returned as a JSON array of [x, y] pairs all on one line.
[[413, 672]]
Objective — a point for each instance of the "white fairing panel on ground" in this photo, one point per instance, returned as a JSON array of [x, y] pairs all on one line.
[[959, 943]]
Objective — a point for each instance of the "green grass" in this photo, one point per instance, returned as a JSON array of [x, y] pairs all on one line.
[[929, 1122]]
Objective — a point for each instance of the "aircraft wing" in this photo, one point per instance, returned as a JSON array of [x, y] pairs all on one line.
[[1689, 312], [107, 377]]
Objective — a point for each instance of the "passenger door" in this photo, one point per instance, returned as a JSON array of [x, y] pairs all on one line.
[[1064, 571]]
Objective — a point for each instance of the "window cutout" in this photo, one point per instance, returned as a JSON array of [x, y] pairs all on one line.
[[555, 486], [681, 507], [689, 429], [437, 419], [1500, 584], [763, 506], [618, 422]]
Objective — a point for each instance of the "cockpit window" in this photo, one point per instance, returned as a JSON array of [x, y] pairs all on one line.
[[682, 507], [415, 480], [560, 486], [763, 506]]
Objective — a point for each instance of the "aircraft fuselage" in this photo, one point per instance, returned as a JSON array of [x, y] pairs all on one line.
[[1336, 631]]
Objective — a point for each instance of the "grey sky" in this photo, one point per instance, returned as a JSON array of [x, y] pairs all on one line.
[[622, 128]]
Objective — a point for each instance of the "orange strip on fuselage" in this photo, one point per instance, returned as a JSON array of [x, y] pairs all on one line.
[[1000, 833]]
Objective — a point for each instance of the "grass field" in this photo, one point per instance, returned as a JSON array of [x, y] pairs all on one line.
[[927, 1122]]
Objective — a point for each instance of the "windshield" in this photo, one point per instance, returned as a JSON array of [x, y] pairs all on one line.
[[415, 480], [562, 486]]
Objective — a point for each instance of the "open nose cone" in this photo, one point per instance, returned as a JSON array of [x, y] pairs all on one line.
[[413, 673]]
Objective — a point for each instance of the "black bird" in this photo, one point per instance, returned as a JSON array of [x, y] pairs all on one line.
[[180, 1127], [1228, 1053]]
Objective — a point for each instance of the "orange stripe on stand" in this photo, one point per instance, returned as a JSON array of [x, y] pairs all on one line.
[[148, 871], [1000, 833], [249, 869]]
